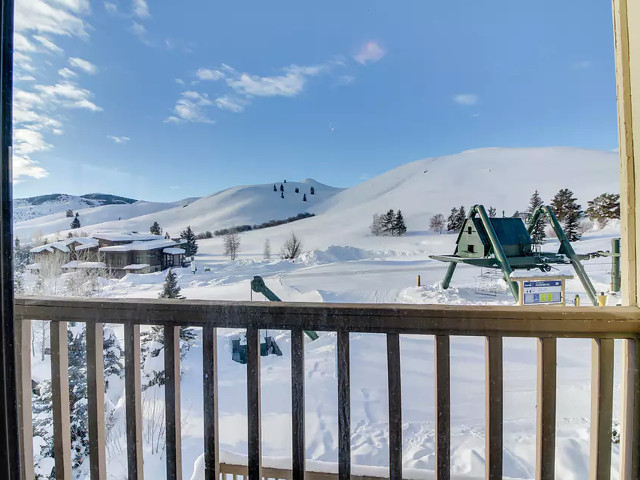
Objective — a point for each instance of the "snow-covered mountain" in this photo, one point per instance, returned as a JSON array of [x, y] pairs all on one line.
[[33, 207], [503, 178]]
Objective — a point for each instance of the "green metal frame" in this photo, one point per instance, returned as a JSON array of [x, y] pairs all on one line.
[[502, 261], [258, 286]]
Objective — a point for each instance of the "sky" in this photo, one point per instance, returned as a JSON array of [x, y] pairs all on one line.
[[163, 100]]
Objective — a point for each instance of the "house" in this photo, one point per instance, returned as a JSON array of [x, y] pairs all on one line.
[[142, 256], [51, 257], [473, 241], [107, 239]]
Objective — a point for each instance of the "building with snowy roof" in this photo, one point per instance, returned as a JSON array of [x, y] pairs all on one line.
[[142, 256]]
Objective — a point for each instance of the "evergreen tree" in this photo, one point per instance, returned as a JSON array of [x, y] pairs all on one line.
[[603, 208], [538, 233], [304, 197], [571, 225], [460, 219], [562, 203], [75, 222], [77, 341], [171, 289], [274, 188], [191, 247], [281, 194], [155, 229], [399, 227], [452, 220], [492, 212], [297, 190], [152, 344], [387, 221], [282, 187], [312, 191]]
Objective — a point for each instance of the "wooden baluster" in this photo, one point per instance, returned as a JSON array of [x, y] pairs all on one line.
[[493, 408], [60, 399], [210, 391], [546, 410], [630, 426], [172, 402], [133, 401], [344, 406], [395, 405], [443, 407], [23, 374], [601, 408], [254, 404], [297, 404], [95, 398]]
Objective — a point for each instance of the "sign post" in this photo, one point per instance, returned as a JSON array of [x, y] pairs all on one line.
[[541, 289]]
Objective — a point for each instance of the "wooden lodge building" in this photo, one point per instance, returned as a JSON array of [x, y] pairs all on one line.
[[116, 253]]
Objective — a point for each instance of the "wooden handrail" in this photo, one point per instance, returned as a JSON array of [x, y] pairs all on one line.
[[494, 323]]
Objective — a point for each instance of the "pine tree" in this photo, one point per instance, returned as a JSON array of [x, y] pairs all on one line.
[[152, 344], [387, 220], [76, 222], [452, 220], [155, 229], [77, 341], [304, 197], [462, 216], [171, 289], [399, 227], [538, 233], [562, 203], [281, 194], [274, 188], [571, 225], [297, 190], [191, 247], [603, 208], [312, 191], [282, 187]]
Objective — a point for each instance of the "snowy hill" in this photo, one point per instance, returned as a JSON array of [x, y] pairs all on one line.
[[33, 207], [242, 205], [59, 222]]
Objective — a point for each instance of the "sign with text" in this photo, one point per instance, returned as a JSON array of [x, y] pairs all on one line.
[[542, 291]]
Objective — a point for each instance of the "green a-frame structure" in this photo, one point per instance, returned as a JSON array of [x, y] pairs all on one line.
[[505, 243]]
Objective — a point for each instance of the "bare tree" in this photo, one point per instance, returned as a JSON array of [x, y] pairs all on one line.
[[231, 245], [267, 250], [292, 247], [437, 223]]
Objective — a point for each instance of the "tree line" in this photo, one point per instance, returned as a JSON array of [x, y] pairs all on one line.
[[389, 223]]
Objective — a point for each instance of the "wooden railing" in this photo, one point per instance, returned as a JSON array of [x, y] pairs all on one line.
[[603, 325]]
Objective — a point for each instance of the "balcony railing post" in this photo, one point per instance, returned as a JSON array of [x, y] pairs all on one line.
[[630, 425], [254, 404], [442, 371], [210, 391], [60, 399], [344, 406], [172, 402], [95, 397], [23, 376], [493, 408], [297, 404], [395, 405], [133, 400], [546, 410], [601, 408]]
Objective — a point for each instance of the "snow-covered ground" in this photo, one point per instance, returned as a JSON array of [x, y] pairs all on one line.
[[343, 262]]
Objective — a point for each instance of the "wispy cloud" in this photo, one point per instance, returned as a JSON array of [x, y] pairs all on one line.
[[117, 139], [37, 108], [140, 8], [466, 99], [111, 8], [369, 52], [83, 65], [140, 31], [190, 107], [208, 74], [230, 103]]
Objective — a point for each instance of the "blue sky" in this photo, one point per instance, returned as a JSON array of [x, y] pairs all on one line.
[[163, 100]]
